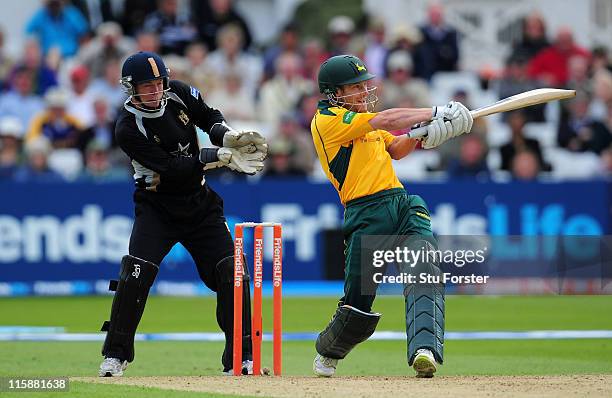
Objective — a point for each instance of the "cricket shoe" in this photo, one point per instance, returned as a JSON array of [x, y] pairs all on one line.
[[247, 369], [424, 363], [112, 367], [324, 366]]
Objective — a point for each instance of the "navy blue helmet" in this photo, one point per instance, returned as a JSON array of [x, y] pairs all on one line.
[[143, 67]]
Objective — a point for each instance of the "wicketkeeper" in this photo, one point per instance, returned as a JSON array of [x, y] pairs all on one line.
[[355, 150], [157, 129]]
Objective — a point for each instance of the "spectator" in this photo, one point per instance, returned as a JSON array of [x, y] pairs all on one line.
[[472, 161], [578, 77], [518, 142], [134, 14], [179, 67], [98, 166], [408, 38], [314, 56], [103, 129], [20, 100], [279, 161], [44, 77], [108, 44], [376, 51], [606, 162], [6, 63], [307, 107], [288, 42], [601, 104], [236, 102], [58, 25], [600, 60], [300, 141], [201, 75], [525, 166], [81, 98], [229, 58], [175, 30], [97, 12], [579, 132], [147, 42], [516, 80], [533, 38], [440, 43], [340, 29], [11, 135], [281, 94], [57, 126], [551, 65], [212, 16], [107, 86], [37, 168], [401, 85]]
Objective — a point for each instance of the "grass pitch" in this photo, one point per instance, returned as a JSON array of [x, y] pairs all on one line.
[[379, 359]]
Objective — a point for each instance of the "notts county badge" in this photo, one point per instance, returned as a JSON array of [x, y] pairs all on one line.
[[184, 118]]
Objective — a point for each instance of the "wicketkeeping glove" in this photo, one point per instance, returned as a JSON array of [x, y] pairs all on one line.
[[243, 159], [237, 139]]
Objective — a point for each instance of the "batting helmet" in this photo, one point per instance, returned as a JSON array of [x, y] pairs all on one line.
[[340, 70], [143, 67]]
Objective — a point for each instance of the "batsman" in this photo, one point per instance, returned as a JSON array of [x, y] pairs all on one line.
[[355, 149]]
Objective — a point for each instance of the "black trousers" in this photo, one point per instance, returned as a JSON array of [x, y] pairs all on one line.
[[197, 222]]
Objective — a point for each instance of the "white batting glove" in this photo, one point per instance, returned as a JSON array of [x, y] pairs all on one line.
[[459, 116], [438, 131]]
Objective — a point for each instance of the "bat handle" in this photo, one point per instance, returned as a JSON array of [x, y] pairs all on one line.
[[419, 132]]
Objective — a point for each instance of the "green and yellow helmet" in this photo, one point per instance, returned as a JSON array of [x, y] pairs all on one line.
[[340, 70]]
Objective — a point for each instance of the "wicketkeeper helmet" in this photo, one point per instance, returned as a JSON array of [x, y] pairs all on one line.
[[143, 67]]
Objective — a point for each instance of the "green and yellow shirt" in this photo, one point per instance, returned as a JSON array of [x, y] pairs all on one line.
[[352, 154]]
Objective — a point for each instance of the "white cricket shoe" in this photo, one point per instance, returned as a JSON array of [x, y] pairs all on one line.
[[323, 366], [424, 363], [247, 368], [112, 367]]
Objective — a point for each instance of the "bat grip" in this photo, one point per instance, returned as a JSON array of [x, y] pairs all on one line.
[[419, 132]]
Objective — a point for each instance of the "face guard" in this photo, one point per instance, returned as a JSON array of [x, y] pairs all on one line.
[[351, 103], [130, 89]]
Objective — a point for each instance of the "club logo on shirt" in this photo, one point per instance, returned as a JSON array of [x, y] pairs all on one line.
[[183, 117], [156, 138], [348, 117], [182, 151]]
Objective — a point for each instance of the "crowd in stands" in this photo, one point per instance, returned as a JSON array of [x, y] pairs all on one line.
[[60, 96]]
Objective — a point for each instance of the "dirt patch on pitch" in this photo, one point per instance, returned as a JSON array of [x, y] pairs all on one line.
[[380, 387]]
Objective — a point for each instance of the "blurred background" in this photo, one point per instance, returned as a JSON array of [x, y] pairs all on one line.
[[66, 209]]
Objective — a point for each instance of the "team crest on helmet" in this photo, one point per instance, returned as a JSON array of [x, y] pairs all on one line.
[[361, 68]]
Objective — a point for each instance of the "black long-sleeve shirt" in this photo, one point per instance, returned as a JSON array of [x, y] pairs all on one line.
[[163, 145]]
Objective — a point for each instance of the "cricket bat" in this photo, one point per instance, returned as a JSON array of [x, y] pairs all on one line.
[[518, 101]]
